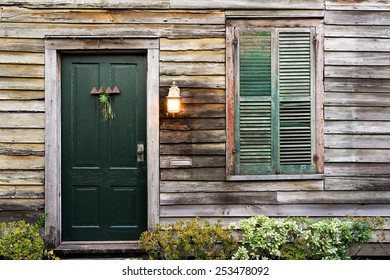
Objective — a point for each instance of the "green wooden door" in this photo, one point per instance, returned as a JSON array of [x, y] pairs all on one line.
[[103, 177]]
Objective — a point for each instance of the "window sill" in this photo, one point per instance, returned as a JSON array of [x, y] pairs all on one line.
[[275, 177]]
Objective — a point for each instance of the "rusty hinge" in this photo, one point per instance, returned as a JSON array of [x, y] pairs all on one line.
[[235, 41], [315, 40]]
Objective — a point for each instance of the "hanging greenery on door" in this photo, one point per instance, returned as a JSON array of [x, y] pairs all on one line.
[[106, 108]]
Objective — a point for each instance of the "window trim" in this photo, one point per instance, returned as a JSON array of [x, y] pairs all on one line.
[[231, 88]]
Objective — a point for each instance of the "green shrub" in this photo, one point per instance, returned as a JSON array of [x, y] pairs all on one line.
[[21, 241], [301, 238], [189, 240]]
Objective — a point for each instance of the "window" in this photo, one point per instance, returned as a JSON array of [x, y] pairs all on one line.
[[274, 101]]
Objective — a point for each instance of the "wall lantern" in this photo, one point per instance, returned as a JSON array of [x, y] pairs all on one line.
[[173, 99]]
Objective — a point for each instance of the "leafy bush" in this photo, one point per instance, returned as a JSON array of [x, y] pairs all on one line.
[[21, 241], [189, 240], [301, 238]]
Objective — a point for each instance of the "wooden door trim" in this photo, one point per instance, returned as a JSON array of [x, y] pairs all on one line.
[[53, 48]]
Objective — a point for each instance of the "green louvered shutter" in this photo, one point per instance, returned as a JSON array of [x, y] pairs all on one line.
[[254, 106], [275, 102], [296, 101]]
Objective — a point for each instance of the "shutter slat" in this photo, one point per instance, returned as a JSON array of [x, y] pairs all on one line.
[[253, 127], [295, 116]]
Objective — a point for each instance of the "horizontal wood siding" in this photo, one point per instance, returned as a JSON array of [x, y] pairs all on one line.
[[194, 53]]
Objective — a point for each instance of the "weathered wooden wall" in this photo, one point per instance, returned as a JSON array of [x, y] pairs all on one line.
[[192, 53]]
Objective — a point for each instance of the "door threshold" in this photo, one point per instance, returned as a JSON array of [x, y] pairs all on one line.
[[96, 248]]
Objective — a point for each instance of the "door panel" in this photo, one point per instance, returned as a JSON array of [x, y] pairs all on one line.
[[103, 184]]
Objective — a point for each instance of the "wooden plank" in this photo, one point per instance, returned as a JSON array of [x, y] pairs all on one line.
[[357, 155], [22, 120], [357, 44], [305, 210], [98, 4], [357, 113], [372, 250], [22, 135], [17, 57], [192, 124], [357, 99], [15, 30], [21, 95], [202, 44], [246, 4], [17, 14], [360, 72], [21, 204], [354, 17], [357, 85], [198, 95], [366, 5], [357, 184], [357, 127], [351, 169], [98, 43], [21, 177], [196, 110], [193, 174], [330, 197], [22, 45], [282, 13], [357, 141], [193, 81], [356, 31], [217, 198], [22, 106], [205, 136], [231, 187], [22, 192], [191, 68], [21, 71], [193, 56], [21, 162], [28, 216], [193, 149], [21, 83], [195, 161], [357, 58], [22, 149]]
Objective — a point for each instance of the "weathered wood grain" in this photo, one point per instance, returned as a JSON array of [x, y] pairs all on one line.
[[312, 210], [331, 197], [192, 68], [357, 155], [21, 95], [192, 124], [359, 72], [357, 99], [85, 16], [193, 81], [193, 56], [357, 44], [21, 162], [357, 31], [22, 106], [351, 169], [22, 45], [357, 141], [203, 44], [246, 4], [231, 187], [255, 14], [98, 4], [357, 113], [193, 174], [193, 149], [22, 120], [16, 56], [21, 177], [196, 161], [206, 136], [21, 204], [219, 198], [357, 17], [21, 71], [357, 58], [357, 127], [196, 111], [357, 184], [28, 216], [22, 192], [22, 135], [21, 83], [357, 85], [366, 5], [197, 95], [22, 149]]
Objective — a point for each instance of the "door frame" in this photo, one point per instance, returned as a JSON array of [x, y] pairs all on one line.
[[54, 46]]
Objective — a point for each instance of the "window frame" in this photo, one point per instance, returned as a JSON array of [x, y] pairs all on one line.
[[232, 85]]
